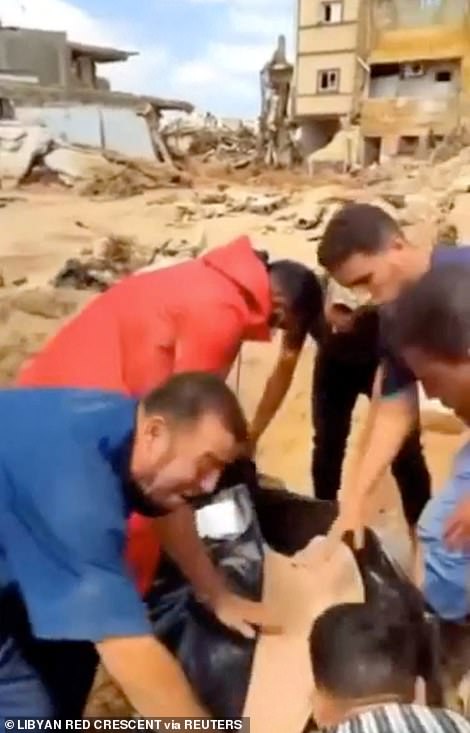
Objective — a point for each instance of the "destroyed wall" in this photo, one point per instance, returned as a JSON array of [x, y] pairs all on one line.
[[43, 54], [121, 130]]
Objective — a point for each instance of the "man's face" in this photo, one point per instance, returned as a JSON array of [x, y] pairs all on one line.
[[174, 462], [381, 275], [447, 381]]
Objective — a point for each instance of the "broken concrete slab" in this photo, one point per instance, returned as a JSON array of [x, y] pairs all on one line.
[[72, 165], [20, 146]]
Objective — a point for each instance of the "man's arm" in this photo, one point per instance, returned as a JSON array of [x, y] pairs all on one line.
[[276, 387], [182, 543], [66, 552], [150, 677], [391, 418]]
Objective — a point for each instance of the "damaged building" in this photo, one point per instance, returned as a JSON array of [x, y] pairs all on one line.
[[46, 77], [400, 69]]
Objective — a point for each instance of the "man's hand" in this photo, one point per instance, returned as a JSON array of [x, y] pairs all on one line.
[[351, 518], [457, 531], [243, 615]]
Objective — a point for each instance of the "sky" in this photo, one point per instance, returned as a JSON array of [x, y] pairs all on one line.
[[208, 52]]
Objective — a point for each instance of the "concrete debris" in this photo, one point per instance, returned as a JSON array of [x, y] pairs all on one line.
[[212, 197], [26, 151], [114, 257], [210, 139], [266, 204], [343, 152], [20, 147], [311, 218]]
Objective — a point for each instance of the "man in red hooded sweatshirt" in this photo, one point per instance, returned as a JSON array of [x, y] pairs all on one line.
[[187, 317]]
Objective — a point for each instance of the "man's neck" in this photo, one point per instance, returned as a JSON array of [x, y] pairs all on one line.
[[418, 263], [352, 708]]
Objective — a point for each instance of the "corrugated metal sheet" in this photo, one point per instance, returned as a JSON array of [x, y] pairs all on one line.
[[112, 128]]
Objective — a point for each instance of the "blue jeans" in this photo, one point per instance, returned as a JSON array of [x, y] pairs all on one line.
[[446, 573], [40, 678], [22, 694]]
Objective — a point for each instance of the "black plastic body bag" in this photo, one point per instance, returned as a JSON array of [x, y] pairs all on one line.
[[218, 661]]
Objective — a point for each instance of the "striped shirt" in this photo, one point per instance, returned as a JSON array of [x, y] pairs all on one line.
[[395, 718]]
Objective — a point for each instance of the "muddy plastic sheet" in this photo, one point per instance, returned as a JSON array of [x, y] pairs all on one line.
[[216, 660]]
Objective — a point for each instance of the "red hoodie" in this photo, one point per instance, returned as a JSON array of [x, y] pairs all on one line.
[[190, 317]]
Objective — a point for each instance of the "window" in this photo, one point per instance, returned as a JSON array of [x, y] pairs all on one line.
[[328, 81], [443, 76], [412, 71], [331, 12]]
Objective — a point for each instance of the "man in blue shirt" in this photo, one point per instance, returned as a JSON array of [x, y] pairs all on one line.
[[70, 461], [363, 247], [430, 327]]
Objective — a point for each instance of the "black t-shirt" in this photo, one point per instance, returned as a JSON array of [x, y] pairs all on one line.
[[360, 346]]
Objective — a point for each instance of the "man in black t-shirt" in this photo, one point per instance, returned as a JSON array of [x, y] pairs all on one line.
[[347, 360]]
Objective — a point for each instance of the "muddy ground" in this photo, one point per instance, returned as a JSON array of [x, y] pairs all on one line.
[[42, 227]]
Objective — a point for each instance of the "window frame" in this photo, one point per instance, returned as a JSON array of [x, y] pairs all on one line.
[[323, 5], [336, 70]]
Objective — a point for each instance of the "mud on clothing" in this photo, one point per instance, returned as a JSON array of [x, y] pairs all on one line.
[[395, 718], [189, 317], [64, 502]]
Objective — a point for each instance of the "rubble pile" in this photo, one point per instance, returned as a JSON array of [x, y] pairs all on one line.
[[121, 177], [115, 257], [29, 153], [210, 140]]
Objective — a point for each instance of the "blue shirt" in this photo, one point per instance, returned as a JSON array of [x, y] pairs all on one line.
[[397, 377], [64, 461]]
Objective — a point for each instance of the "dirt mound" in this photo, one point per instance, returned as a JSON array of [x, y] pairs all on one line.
[[128, 177], [28, 318]]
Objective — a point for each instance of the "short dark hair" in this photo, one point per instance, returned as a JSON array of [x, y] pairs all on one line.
[[433, 314], [355, 229], [188, 396], [302, 291], [358, 651]]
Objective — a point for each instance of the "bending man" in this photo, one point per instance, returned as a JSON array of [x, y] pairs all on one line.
[[363, 247], [67, 458]]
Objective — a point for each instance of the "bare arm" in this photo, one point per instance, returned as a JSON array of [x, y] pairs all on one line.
[[150, 677], [276, 388], [182, 543], [390, 420]]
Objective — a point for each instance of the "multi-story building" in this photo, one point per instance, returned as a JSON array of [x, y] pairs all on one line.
[[401, 68]]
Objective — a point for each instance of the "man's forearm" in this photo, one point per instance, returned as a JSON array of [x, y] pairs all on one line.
[[392, 419], [151, 679], [276, 389], [183, 545]]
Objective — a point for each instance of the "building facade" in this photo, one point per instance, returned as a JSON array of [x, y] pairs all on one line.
[[400, 68]]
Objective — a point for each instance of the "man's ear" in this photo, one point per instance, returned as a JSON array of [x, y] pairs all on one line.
[[398, 243], [154, 426]]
